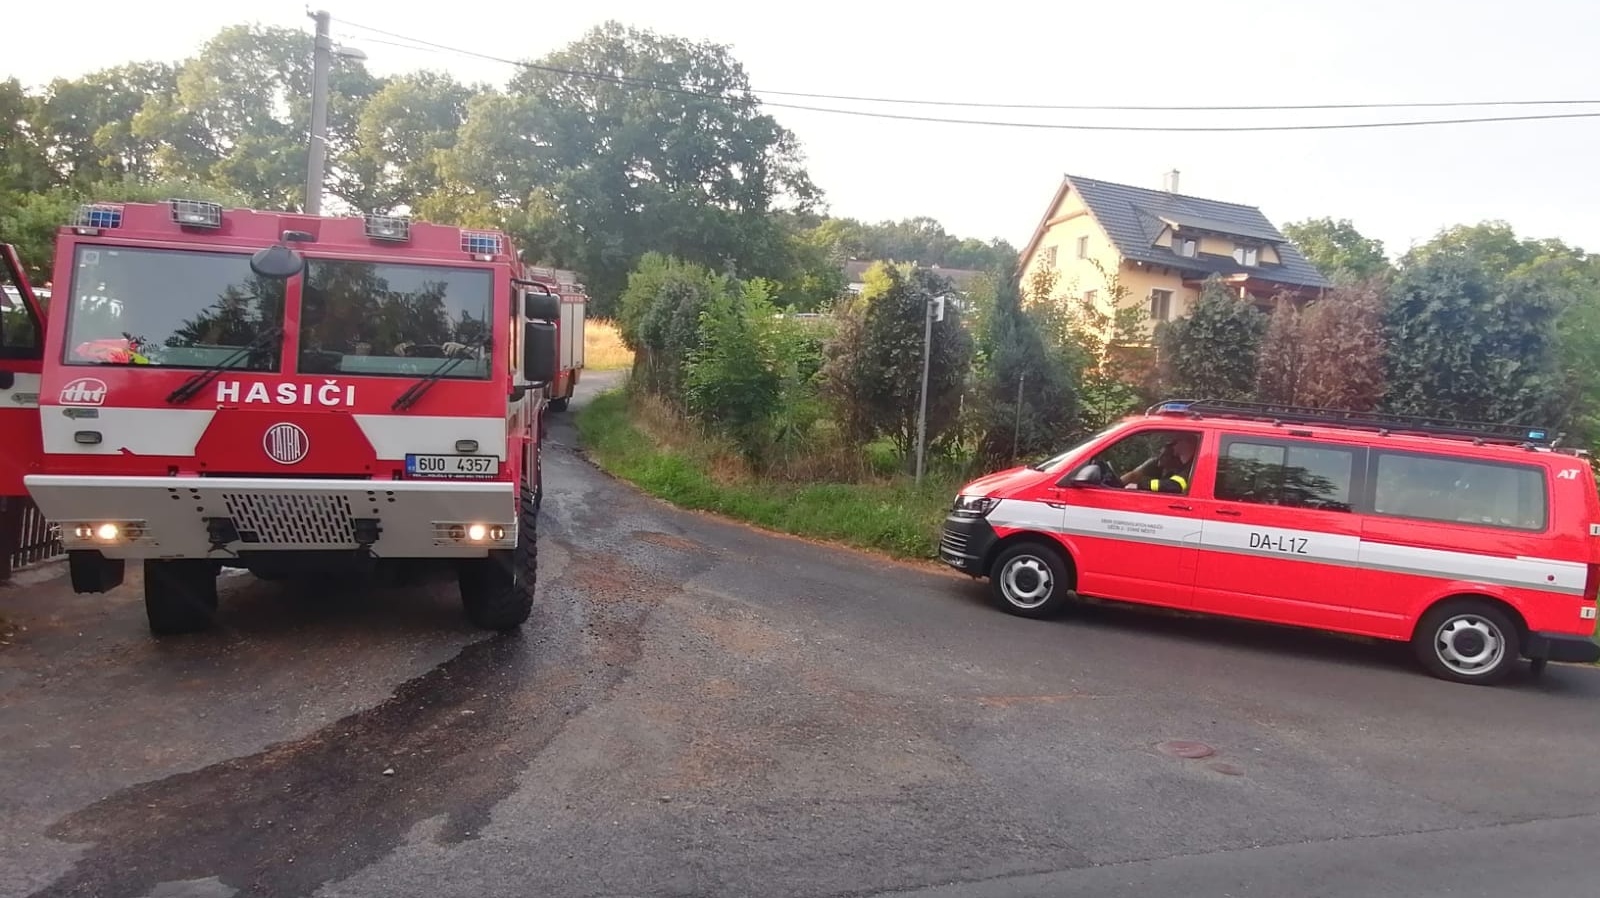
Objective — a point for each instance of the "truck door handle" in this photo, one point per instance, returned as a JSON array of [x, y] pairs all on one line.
[[1230, 512], [1180, 507]]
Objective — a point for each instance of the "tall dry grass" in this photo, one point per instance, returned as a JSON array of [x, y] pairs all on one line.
[[603, 349]]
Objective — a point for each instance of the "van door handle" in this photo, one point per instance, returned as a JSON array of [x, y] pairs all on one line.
[[1230, 512], [1177, 507]]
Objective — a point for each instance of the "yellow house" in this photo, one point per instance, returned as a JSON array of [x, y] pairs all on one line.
[[1158, 247]]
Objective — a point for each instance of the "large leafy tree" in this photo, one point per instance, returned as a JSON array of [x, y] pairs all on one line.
[[24, 167], [86, 124], [403, 133], [1337, 249], [635, 141], [1472, 329], [241, 111]]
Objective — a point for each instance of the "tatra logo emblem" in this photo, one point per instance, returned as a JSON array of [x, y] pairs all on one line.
[[286, 443]]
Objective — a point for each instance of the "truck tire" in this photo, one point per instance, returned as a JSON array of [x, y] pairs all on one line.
[[497, 591], [180, 595], [560, 405]]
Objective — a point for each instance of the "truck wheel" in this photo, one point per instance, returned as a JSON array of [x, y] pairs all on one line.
[[180, 595], [497, 591], [560, 405], [92, 572]]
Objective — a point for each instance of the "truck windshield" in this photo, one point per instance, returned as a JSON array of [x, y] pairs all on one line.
[[169, 308], [385, 319]]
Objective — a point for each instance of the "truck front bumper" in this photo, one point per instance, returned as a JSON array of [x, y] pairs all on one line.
[[221, 517]]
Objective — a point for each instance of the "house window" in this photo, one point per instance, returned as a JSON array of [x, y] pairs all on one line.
[[1083, 247], [1050, 255], [1160, 305], [1090, 297], [1188, 247], [1246, 255]]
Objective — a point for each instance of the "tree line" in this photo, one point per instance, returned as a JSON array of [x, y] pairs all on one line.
[[1474, 325], [587, 171], [690, 215]]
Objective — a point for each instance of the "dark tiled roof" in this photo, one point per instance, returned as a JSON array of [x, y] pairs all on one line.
[[1133, 218]]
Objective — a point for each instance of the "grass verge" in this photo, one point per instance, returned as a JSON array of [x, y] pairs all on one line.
[[889, 516]]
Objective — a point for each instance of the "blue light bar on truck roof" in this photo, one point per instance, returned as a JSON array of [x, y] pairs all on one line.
[[479, 243], [97, 215]]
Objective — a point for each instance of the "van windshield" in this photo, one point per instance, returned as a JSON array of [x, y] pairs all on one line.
[[1055, 461], [169, 308], [383, 319]]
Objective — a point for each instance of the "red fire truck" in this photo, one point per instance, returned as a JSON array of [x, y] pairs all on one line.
[[284, 394], [574, 303]]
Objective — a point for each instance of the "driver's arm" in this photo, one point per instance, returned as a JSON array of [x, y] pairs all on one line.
[[1140, 472]]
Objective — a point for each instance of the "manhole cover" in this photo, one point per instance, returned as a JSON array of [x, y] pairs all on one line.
[[1179, 748]]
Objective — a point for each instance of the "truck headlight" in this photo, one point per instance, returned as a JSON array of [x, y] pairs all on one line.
[[974, 506]]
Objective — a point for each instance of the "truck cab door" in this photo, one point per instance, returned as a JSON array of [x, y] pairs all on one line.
[[21, 363]]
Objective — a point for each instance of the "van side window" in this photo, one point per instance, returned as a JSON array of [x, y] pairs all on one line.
[[1459, 491], [1297, 475]]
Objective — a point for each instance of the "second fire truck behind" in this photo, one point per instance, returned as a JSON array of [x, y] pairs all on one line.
[[290, 394]]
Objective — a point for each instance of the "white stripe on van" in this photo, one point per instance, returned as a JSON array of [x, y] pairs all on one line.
[[1292, 544]]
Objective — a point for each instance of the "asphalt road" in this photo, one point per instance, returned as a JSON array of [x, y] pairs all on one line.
[[697, 709]]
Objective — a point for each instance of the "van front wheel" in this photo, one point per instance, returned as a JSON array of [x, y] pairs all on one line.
[[1467, 641], [1031, 580]]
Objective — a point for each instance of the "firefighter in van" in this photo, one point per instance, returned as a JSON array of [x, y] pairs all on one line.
[[1167, 472]]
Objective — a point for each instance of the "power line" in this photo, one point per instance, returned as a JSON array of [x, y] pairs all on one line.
[[429, 46]]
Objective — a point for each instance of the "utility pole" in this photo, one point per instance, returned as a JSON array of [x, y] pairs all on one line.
[[321, 61], [930, 303]]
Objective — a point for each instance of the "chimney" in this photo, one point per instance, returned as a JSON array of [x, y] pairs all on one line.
[[1169, 181]]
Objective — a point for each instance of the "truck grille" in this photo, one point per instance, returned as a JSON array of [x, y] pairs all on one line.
[[276, 519]]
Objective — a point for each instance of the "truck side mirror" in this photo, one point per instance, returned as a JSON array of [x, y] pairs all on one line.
[[541, 306], [541, 353]]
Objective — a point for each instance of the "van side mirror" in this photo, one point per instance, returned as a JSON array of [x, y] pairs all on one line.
[[1088, 475], [541, 355]]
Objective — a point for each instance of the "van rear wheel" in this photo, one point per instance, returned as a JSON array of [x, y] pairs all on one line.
[[1468, 641], [1031, 580]]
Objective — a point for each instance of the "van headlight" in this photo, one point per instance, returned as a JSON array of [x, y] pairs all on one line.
[[973, 506]]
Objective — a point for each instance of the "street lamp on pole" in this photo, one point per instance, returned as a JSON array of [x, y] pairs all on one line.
[[322, 53], [933, 311]]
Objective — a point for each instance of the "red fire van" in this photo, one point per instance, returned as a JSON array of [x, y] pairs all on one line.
[[1479, 544]]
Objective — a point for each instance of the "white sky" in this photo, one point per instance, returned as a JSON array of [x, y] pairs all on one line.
[[1399, 185]]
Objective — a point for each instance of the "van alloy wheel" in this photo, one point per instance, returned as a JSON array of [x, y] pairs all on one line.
[[1468, 640], [1469, 644], [1031, 580], [1027, 582]]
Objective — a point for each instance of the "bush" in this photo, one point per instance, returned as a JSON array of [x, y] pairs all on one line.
[[874, 372]]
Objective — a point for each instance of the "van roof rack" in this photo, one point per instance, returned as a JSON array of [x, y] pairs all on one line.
[[1508, 434]]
